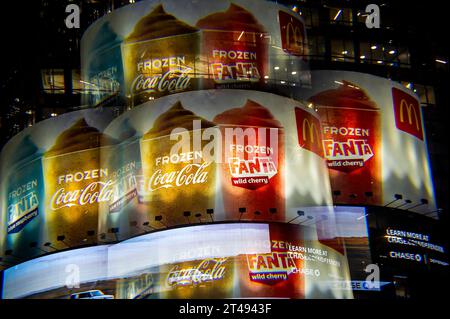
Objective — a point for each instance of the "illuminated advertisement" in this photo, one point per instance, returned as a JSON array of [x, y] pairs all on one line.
[[51, 181], [223, 261], [154, 48], [415, 242], [210, 155], [373, 140]]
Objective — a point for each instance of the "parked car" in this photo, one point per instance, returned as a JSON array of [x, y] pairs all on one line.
[[91, 294]]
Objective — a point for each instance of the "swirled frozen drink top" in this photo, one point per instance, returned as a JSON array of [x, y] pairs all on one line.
[[251, 114], [175, 117], [235, 18], [80, 136], [346, 95], [158, 24]]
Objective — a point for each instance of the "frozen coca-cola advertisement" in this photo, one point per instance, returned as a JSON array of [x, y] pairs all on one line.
[[52, 183], [373, 140], [216, 155], [155, 48]]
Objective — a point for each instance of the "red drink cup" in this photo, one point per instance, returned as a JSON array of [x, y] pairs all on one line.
[[234, 49], [351, 143], [253, 163]]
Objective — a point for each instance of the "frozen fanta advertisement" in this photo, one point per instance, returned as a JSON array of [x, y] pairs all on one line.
[[373, 140]]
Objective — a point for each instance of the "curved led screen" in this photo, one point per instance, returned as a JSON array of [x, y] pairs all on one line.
[[200, 156], [155, 48], [223, 261]]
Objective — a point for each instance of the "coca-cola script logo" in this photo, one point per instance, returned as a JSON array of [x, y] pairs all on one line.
[[170, 81], [95, 192], [207, 270], [190, 174]]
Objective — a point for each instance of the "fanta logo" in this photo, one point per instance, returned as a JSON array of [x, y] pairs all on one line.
[[292, 34], [259, 166], [407, 113], [22, 212], [308, 129], [351, 149], [25, 205], [252, 174]]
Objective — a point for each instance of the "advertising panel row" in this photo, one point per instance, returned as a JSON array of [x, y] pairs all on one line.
[[155, 48], [244, 260], [210, 155]]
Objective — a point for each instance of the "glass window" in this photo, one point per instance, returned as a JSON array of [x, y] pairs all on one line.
[[53, 81], [341, 16], [316, 47], [424, 92], [403, 56], [310, 16], [342, 50], [441, 63], [385, 54], [78, 87]]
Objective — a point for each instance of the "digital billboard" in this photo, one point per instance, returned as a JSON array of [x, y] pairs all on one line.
[[246, 260], [211, 155], [373, 140], [414, 242], [155, 48], [51, 184]]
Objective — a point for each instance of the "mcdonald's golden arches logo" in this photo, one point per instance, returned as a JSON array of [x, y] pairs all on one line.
[[408, 117], [309, 131], [292, 34]]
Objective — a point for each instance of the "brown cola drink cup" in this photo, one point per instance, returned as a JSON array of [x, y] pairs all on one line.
[[252, 171], [179, 180], [234, 50], [159, 57], [198, 279], [73, 183]]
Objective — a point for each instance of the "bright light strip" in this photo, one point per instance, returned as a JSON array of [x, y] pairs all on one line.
[[441, 61], [373, 47], [337, 14], [242, 33]]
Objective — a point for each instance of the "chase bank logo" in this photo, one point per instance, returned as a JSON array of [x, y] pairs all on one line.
[[407, 112]]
